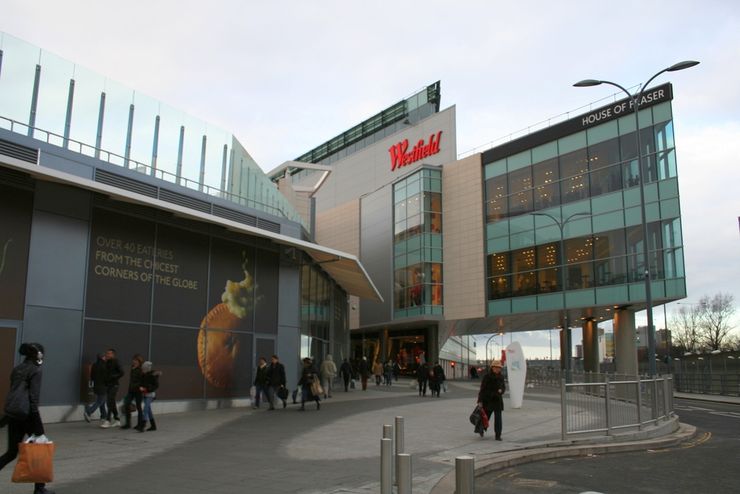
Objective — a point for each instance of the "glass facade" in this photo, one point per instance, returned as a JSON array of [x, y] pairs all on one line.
[[417, 244], [585, 187], [324, 321], [59, 102]]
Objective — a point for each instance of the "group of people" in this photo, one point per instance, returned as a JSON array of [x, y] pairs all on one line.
[[431, 375], [105, 376]]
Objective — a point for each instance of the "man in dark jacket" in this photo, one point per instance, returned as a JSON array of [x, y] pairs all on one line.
[[134, 393], [276, 381], [346, 372], [113, 374], [491, 396], [97, 379], [26, 420], [261, 382]]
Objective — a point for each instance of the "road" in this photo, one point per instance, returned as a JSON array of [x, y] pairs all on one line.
[[708, 463]]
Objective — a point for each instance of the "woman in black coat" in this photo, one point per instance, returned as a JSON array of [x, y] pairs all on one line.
[[28, 421], [491, 396], [308, 374]]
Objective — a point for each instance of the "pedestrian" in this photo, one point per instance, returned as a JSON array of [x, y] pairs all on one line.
[[328, 373], [388, 373], [437, 379], [422, 377], [308, 375], [491, 396], [378, 372], [364, 370], [97, 382], [26, 375], [134, 394], [113, 374], [148, 389], [346, 372], [396, 370], [276, 382], [261, 382]]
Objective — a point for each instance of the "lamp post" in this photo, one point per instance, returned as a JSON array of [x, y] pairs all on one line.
[[488, 365], [635, 103], [563, 262]]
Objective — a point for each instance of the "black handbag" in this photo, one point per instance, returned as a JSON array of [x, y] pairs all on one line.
[[18, 402], [282, 393]]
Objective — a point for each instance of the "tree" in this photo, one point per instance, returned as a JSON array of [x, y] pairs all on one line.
[[686, 329], [716, 318]]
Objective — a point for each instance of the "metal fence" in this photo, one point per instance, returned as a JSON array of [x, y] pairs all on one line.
[[708, 383], [603, 404]]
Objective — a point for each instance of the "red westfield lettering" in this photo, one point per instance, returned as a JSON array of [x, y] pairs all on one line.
[[401, 156]]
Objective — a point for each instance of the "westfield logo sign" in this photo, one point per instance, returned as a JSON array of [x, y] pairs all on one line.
[[401, 155]]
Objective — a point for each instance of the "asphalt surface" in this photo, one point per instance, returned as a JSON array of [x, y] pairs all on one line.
[[707, 463]]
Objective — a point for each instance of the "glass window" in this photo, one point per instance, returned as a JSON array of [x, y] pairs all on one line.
[[86, 107], [578, 254], [606, 174], [609, 252], [520, 188], [496, 202], [524, 278], [499, 281], [548, 276], [142, 132], [51, 108], [118, 101], [574, 173], [547, 188], [16, 81]]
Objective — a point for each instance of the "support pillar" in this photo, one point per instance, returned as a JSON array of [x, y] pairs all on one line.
[[563, 347], [590, 346], [625, 342]]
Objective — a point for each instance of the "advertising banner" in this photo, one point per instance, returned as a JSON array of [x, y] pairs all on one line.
[[516, 369]]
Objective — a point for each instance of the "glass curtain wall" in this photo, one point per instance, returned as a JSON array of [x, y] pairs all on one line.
[[594, 172], [417, 244], [61, 103], [324, 321]]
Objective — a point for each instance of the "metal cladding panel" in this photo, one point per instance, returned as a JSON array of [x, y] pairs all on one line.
[[371, 168], [376, 253]]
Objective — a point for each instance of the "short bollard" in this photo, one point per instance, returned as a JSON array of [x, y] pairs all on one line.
[[386, 460], [464, 475], [388, 434], [399, 444], [403, 473]]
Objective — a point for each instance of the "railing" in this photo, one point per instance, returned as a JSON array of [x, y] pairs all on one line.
[[707, 383], [118, 160], [603, 404]]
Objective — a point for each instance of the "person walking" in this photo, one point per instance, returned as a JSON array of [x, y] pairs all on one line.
[[97, 380], [26, 375], [133, 395], [491, 396], [378, 372], [388, 373], [346, 372], [276, 382], [436, 379], [148, 390], [422, 377], [308, 375], [364, 370], [113, 374], [261, 382], [328, 373]]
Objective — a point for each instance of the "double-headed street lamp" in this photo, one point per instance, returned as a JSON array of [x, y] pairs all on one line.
[[635, 100], [567, 355]]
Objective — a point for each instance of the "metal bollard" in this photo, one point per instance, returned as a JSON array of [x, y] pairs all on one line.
[[399, 445], [386, 461], [388, 434], [403, 473], [464, 475]]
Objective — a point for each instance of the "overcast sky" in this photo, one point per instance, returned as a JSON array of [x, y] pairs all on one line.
[[285, 76]]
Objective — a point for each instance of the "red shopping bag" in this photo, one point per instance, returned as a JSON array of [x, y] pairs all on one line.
[[35, 463], [484, 417]]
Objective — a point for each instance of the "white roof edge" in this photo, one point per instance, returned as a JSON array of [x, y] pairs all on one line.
[[278, 170], [86, 183]]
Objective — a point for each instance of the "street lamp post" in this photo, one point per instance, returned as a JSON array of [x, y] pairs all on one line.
[[488, 365], [635, 102], [563, 262]]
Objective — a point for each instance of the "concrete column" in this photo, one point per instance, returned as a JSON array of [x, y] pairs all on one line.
[[625, 342], [590, 346]]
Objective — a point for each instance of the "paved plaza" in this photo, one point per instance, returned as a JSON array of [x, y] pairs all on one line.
[[334, 450]]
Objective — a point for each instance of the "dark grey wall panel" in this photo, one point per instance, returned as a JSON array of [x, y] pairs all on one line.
[[57, 261], [376, 253], [63, 200], [59, 330], [289, 351]]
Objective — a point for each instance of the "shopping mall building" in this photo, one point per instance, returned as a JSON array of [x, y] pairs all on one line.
[[129, 224]]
